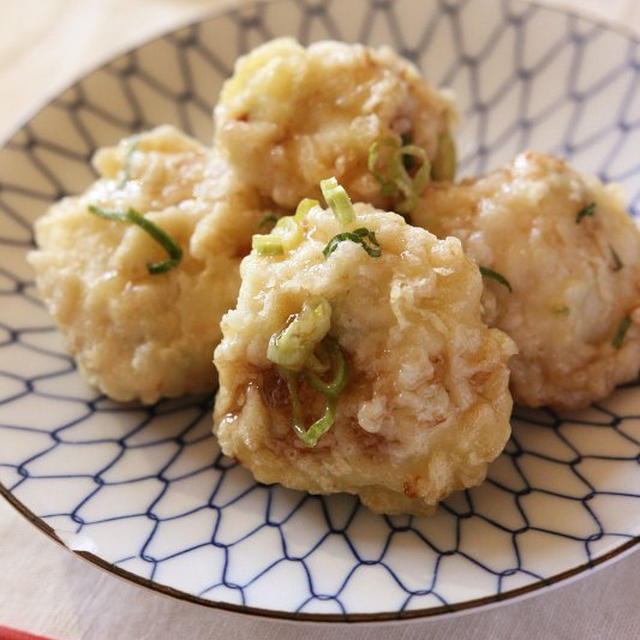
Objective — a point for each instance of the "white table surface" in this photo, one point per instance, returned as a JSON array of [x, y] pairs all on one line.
[[45, 45]]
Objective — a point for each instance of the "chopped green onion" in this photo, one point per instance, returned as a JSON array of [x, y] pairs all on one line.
[[444, 164], [287, 225], [337, 363], [304, 350], [318, 361], [331, 390], [585, 211], [408, 161], [411, 187], [358, 236], [617, 263], [289, 232], [490, 273], [286, 234], [168, 243], [311, 435], [303, 208], [339, 201], [267, 245], [126, 167], [292, 347], [621, 331], [267, 219], [387, 186], [400, 180]]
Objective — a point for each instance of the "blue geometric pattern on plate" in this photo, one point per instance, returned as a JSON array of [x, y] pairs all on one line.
[[145, 489]]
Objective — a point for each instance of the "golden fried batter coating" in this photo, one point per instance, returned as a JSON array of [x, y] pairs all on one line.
[[291, 116], [571, 255], [136, 335], [426, 405]]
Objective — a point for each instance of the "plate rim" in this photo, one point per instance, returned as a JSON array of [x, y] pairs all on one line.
[[224, 6], [430, 613], [474, 605]]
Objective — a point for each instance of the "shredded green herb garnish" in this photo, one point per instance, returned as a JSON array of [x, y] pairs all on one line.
[[330, 358], [289, 232], [388, 186], [617, 263], [293, 347], [359, 236], [304, 206], [331, 390], [267, 219], [168, 243], [585, 211], [444, 164], [621, 331], [398, 179], [411, 186], [286, 235], [490, 273], [126, 167], [338, 200], [267, 245], [408, 161], [303, 351], [311, 435]]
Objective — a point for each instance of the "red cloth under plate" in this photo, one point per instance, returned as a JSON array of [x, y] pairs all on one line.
[[15, 634]]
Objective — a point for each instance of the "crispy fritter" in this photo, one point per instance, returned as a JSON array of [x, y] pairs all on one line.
[[426, 406], [136, 335], [571, 255], [291, 116]]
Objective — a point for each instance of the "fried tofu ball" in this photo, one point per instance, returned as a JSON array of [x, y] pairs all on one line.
[[569, 255], [426, 404], [134, 334], [291, 116]]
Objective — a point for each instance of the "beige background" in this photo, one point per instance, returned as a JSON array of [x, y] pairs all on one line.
[[45, 45]]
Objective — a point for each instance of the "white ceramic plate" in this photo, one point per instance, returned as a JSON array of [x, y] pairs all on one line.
[[145, 491]]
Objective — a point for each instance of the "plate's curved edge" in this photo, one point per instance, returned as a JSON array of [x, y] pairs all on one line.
[[222, 7], [466, 607], [587, 16], [230, 5]]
